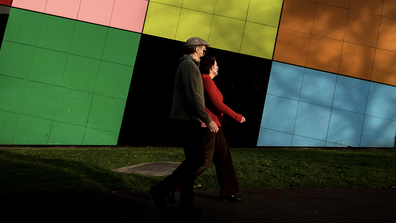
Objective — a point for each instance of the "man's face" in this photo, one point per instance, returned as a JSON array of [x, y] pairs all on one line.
[[201, 51]]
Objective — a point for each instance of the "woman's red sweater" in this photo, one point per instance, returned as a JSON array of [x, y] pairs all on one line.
[[214, 102]]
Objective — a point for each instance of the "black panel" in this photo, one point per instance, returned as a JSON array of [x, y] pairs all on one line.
[[3, 25], [242, 80]]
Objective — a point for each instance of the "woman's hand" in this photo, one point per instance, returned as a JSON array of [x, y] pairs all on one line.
[[243, 119]]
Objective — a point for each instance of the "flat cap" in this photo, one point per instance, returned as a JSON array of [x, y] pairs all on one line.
[[196, 41]]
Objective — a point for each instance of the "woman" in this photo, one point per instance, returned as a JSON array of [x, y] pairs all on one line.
[[215, 144]]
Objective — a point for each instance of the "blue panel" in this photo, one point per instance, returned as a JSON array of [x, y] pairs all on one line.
[[273, 138], [345, 128], [318, 87], [333, 110], [381, 101], [351, 94], [279, 114], [312, 121], [304, 141], [378, 132], [285, 80]]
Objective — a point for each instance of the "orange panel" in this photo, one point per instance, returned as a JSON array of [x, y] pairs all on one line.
[[330, 21], [291, 47], [340, 3], [384, 70], [389, 8], [324, 54], [370, 6], [362, 28], [356, 61], [298, 15], [387, 34]]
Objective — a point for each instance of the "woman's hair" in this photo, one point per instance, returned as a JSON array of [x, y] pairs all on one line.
[[206, 63]]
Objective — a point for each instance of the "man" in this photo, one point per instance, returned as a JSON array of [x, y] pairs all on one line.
[[188, 111]]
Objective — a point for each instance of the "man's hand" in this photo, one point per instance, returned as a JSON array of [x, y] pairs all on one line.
[[243, 119], [213, 127]]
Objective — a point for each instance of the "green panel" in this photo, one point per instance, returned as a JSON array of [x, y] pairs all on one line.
[[121, 47], [98, 137], [32, 131], [40, 100], [56, 33], [8, 122], [187, 25], [81, 73], [114, 80], [232, 8], [48, 66], [265, 12], [207, 6], [16, 59], [106, 113], [66, 134], [259, 40], [226, 33], [162, 20], [88, 40], [177, 3], [73, 106], [23, 26], [12, 91]]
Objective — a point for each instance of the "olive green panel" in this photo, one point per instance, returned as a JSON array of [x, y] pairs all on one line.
[[225, 24]]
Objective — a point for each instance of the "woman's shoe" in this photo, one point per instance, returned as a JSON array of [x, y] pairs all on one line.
[[231, 198]]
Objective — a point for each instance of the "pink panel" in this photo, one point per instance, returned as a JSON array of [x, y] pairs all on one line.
[[63, 8], [36, 5], [96, 11], [129, 14]]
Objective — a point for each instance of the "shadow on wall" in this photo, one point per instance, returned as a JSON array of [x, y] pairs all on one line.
[[242, 80]]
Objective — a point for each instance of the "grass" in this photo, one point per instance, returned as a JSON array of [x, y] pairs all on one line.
[[89, 169]]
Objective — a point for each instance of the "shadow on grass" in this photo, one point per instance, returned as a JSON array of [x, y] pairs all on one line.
[[27, 173]]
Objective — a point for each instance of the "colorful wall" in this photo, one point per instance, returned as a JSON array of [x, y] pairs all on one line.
[[305, 73]]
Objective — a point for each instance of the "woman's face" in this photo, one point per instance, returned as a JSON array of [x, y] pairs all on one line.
[[215, 68]]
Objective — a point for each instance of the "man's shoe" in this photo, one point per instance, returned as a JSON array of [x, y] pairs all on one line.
[[171, 196], [159, 199], [231, 198]]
